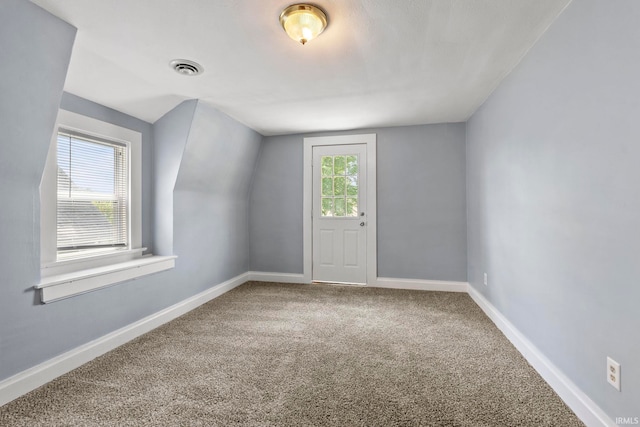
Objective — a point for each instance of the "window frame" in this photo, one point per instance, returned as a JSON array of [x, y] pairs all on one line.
[[89, 126]]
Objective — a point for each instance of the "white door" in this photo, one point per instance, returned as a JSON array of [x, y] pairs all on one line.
[[339, 213]]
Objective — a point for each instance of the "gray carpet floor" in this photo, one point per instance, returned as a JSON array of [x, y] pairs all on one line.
[[269, 354]]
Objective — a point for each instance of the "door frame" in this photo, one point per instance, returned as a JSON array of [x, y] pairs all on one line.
[[369, 140]]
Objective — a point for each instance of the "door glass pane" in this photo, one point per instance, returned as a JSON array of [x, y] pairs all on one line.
[[352, 206], [339, 183], [341, 208], [340, 164], [327, 207], [327, 166], [327, 186], [352, 186], [339, 190], [352, 166]]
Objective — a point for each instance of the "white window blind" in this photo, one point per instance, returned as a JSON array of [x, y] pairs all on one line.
[[92, 196]]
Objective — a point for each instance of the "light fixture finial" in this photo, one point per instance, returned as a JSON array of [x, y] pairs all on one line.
[[303, 22]]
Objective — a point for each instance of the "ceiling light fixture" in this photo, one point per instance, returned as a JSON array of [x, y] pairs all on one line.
[[303, 22], [186, 67]]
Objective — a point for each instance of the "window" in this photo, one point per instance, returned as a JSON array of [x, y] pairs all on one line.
[[339, 186], [91, 209], [92, 196]]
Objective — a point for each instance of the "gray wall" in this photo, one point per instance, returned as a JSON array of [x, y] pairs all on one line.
[[422, 231], [553, 183], [170, 137], [33, 44], [210, 210], [275, 214], [211, 225], [421, 203]]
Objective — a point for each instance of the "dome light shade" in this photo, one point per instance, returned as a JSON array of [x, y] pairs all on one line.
[[303, 22]]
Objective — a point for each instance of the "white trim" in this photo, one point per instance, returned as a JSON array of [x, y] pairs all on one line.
[[420, 285], [54, 288], [264, 276], [587, 410], [86, 262], [32, 378], [370, 140]]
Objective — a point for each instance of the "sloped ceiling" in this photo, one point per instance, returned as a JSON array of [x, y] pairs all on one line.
[[379, 63]]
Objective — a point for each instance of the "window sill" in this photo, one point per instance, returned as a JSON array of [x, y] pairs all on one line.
[[89, 262], [54, 288], [88, 255]]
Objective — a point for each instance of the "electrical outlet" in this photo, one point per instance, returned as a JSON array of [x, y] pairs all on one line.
[[613, 373], [486, 279]]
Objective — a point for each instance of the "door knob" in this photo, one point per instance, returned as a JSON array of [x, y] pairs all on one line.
[[362, 224]]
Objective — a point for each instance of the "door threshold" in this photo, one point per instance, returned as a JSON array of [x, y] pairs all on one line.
[[322, 282]]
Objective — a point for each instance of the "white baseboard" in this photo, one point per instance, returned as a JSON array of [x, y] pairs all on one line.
[[30, 379], [588, 411], [420, 285], [264, 276]]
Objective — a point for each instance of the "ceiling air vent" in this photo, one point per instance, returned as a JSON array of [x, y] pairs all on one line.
[[186, 67]]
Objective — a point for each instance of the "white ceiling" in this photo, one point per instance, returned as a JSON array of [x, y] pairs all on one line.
[[378, 63]]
